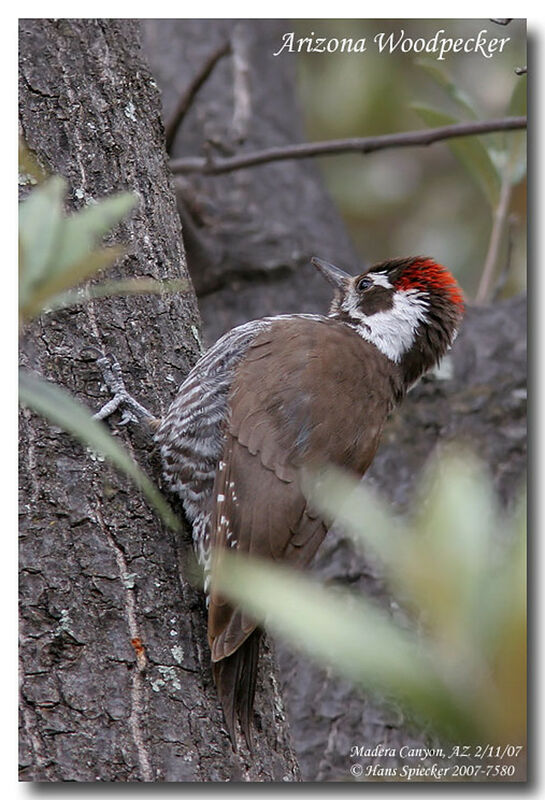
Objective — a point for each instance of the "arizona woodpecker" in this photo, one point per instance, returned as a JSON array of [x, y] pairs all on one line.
[[273, 396]]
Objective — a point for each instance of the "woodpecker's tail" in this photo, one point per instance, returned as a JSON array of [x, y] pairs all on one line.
[[235, 679]]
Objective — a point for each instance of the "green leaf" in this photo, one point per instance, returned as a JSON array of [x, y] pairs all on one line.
[[452, 544], [122, 287], [503, 604], [471, 152], [346, 633], [53, 288], [516, 143], [40, 229], [85, 228], [352, 505], [457, 567], [504, 590], [518, 101], [57, 251], [437, 561], [29, 166], [63, 410], [441, 78]]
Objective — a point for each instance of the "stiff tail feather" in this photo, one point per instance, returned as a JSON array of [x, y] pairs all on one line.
[[235, 678]]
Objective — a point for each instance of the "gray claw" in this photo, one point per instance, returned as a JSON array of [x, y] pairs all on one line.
[[132, 410], [127, 417]]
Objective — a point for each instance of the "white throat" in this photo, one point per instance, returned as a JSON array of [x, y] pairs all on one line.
[[394, 331]]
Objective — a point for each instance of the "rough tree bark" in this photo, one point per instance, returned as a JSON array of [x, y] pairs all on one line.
[[97, 568], [250, 235]]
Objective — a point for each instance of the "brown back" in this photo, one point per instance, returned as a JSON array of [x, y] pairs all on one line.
[[308, 391]]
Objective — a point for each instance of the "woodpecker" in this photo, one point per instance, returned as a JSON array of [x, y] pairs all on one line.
[[282, 392]]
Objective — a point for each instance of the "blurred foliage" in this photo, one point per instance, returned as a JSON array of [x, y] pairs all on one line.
[[411, 201], [57, 252], [30, 170], [60, 408], [457, 565]]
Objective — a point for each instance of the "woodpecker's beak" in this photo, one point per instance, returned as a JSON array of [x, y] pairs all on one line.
[[336, 276]]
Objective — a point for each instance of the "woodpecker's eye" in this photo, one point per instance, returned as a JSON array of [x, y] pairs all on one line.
[[363, 284]]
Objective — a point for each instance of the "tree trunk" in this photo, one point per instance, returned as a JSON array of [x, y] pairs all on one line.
[[98, 570], [251, 234]]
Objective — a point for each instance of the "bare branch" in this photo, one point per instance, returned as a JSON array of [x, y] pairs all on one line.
[[496, 234], [189, 95], [367, 144], [241, 83], [512, 223]]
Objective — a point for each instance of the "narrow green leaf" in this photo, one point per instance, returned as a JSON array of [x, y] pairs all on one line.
[[63, 410], [85, 228], [346, 633], [112, 288], [441, 78], [29, 165], [471, 152], [518, 101], [54, 285], [504, 591], [352, 505], [517, 142], [451, 547], [40, 229]]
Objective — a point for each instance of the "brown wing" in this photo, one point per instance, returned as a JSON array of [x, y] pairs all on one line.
[[271, 521], [294, 400]]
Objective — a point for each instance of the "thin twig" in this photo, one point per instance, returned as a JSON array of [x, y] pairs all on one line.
[[189, 95], [508, 266], [242, 97], [362, 145], [491, 259]]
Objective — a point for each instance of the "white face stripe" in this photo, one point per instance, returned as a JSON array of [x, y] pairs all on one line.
[[380, 279], [392, 331]]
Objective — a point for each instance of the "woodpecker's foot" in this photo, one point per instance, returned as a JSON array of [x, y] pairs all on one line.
[[132, 410]]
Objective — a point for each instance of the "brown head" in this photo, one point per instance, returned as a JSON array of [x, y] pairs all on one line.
[[409, 308]]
